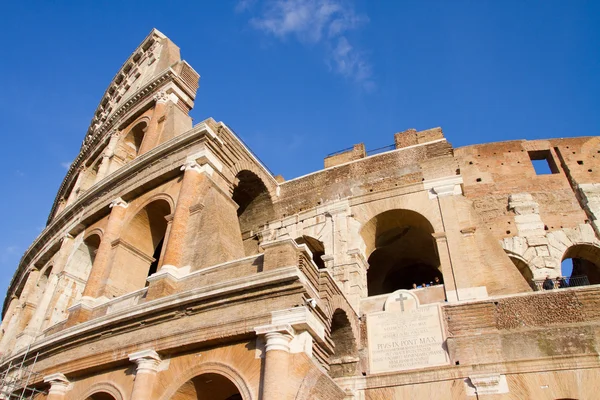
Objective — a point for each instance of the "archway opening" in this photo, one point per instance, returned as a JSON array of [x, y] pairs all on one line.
[[101, 396], [133, 141], [140, 246], [344, 360], [255, 208], [581, 265], [524, 269], [316, 247], [208, 386], [90, 248], [402, 252]]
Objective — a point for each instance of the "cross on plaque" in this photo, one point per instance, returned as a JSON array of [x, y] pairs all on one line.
[[401, 299]]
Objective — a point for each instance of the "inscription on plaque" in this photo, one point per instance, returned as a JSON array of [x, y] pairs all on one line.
[[405, 335]]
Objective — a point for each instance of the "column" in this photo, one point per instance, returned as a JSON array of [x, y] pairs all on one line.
[[152, 135], [101, 268], [59, 385], [277, 361], [188, 195], [145, 374]]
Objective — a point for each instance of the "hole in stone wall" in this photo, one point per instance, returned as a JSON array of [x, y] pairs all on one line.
[[478, 179], [580, 162], [543, 162]]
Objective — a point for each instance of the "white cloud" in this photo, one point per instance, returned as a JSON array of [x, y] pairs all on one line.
[[65, 165], [317, 22], [244, 5]]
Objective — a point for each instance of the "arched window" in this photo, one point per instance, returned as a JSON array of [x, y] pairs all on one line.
[[209, 386], [344, 360], [523, 268], [255, 208], [402, 252], [316, 247], [100, 396], [139, 248], [581, 264], [132, 143]]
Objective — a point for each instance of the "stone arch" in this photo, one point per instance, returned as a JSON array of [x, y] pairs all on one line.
[[339, 302], [523, 266], [344, 360], [103, 391], [401, 251], [316, 247], [214, 368], [255, 207], [141, 243], [268, 180], [129, 147], [586, 261]]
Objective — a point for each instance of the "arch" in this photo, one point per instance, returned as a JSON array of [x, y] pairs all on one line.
[[316, 247], [140, 245], [103, 391], [586, 261], [402, 251], [243, 165], [255, 208], [131, 144], [523, 267], [214, 368], [344, 360]]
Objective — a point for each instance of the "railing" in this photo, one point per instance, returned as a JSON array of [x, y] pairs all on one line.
[[335, 153], [381, 150], [561, 282]]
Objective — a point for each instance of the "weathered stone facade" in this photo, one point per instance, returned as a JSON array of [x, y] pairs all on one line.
[[175, 266]]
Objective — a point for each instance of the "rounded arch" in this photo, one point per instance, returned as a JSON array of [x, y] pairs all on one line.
[[316, 247], [94, 232], [243, 165], [586, 261], [523, 267], [215, 368], [344, 360], [103, 391], [141, 242], [255, 207], [133, 138], [401, 250]]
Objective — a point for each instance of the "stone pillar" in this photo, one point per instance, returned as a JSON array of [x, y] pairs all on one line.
[[59, 385], [145, 374], [192, 178], [277, 361], [101, 268], [152, 135], [107, 156]]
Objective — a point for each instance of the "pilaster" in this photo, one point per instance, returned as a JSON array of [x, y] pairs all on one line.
[[59, 386], [147, 362]]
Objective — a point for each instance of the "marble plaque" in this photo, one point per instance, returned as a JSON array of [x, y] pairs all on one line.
[[406, 335]]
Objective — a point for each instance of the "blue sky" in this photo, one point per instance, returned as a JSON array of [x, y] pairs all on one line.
[[296, 79]]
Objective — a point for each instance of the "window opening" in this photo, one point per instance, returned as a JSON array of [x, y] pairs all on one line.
[[542, 162]]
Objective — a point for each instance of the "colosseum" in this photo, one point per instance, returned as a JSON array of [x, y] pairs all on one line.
[[175, 266]]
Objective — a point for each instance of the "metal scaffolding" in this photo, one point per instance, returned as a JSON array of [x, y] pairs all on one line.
[[16, 380]]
